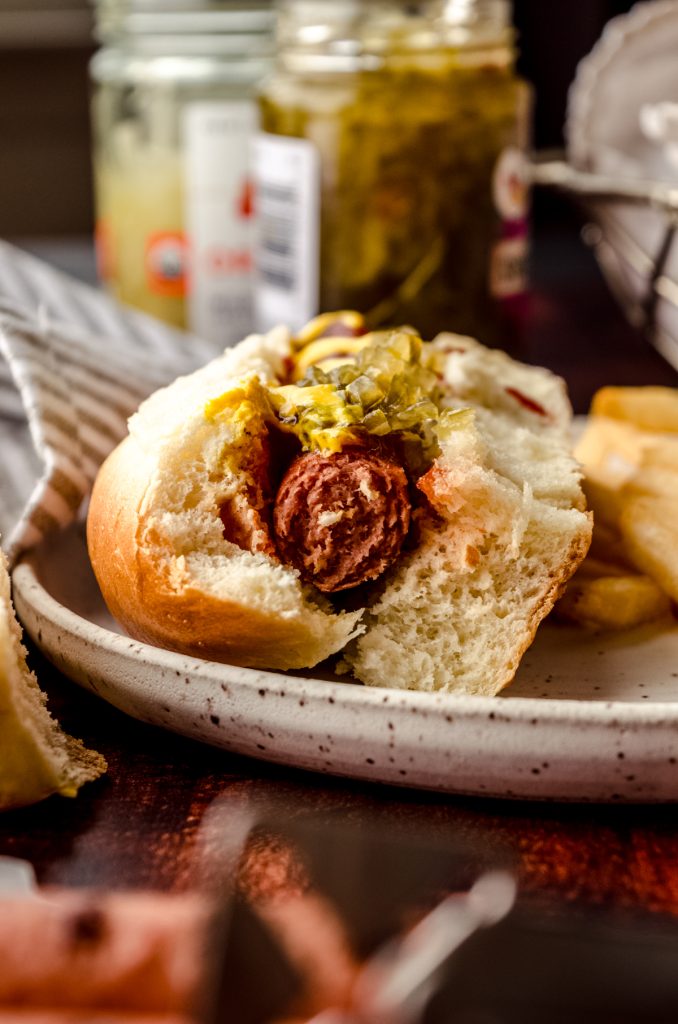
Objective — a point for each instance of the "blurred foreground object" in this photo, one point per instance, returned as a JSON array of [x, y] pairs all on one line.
[[36, 757], [622, 131], [560, 968], [344, 922], [173, 113], [391, 170], [433, 936], [630, 454], [72, 955], [320, 921]]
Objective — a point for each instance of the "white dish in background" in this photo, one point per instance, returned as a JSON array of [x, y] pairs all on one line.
[[633, 64], [588, 717], [633, 67]]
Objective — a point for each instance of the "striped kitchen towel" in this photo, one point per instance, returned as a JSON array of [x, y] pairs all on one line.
[[74, 365]]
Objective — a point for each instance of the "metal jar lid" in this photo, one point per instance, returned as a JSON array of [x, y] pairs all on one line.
[[116, 19]]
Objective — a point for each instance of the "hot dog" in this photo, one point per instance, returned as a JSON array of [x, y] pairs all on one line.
[[341, 519], [432, 482]]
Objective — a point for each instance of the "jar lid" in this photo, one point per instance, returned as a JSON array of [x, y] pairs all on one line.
[[155, 18], [346, 28], [497, 13]]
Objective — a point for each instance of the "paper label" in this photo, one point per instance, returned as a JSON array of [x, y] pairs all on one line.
[[218, 218], [287, 176], [510, 185], [165, 262], [508, 267], [511, 194]]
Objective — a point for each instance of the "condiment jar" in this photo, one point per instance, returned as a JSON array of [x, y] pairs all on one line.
[[390, 170], [173, 114]]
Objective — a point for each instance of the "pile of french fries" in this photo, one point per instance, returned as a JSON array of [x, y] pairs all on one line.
[[630, 454]]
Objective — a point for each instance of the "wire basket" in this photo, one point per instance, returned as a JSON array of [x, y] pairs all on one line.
[[622, 164], [639, 265]]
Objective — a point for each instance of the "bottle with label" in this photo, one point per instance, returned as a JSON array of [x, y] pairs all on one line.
[[174, 114], [390, 168]]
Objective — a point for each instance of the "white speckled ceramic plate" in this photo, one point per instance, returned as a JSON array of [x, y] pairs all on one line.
[[588, 717]]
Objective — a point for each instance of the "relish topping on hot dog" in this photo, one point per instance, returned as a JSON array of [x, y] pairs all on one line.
[[385, 388], [343, 509]]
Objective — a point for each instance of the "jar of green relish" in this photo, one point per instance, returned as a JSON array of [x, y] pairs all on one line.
[[390, 169]]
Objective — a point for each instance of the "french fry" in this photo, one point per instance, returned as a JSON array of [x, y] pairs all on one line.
[[612, 602], [594, 568], [613, 448], [604, 500], [607, 546], [650, 408], [661, 453], [630, 453], [650, 531], [650, 480]]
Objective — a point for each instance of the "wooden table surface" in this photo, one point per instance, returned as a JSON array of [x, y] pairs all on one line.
[[139, 825]]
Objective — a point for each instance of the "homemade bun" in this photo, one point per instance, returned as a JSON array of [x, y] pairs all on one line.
[[502, 529], [459, 611], [156, 540]]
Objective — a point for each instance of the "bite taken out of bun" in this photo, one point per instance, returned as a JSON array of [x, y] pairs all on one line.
[[411, 505]]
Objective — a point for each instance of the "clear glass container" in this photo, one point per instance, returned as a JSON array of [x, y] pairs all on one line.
[[390, 169], [173, 115]]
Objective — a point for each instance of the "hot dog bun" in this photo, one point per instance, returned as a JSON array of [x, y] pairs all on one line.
[[460, 610], [180, 533], [157, 544]]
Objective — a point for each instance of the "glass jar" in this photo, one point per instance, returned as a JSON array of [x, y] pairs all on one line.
[[173, 114], [390, 170]]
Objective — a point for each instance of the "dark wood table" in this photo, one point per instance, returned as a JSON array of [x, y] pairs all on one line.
[[139, 825]]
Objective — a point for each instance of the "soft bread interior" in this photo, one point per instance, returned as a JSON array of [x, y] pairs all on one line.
[[171, 576], [505, 533]]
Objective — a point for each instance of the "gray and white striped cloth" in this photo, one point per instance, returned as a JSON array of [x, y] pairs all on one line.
[[74, 365]]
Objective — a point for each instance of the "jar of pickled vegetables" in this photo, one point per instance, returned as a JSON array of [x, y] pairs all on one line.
[[390, 168], [173, 115]]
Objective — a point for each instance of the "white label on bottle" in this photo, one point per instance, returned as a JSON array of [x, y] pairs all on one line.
[[219, 218], [287, 177]]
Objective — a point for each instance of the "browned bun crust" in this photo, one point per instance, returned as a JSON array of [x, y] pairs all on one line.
[[147, 595]]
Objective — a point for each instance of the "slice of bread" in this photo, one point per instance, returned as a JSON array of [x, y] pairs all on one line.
[[36, 757]]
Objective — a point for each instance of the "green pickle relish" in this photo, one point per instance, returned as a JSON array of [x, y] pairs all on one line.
[[388, 388], [416, 125]]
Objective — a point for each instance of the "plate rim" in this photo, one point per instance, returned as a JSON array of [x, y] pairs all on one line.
[[26, 581]]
